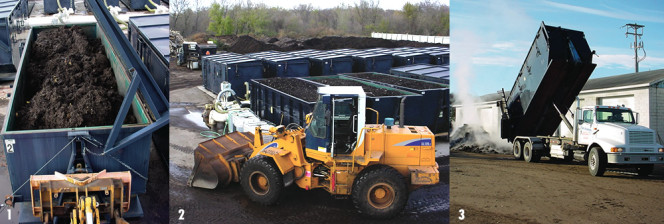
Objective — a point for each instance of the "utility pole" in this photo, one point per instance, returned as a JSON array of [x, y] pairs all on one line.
[[637, 36]]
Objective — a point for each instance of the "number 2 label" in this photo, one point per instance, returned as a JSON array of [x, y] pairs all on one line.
[[181, 211]]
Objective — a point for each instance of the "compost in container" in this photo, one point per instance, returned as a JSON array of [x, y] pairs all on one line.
[[298, 88], [394, 80], [370, 90], [72, 83]]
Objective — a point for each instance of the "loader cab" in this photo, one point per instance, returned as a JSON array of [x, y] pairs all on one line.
[[337, 120]]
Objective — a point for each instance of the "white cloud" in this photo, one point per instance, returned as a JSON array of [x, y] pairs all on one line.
[[626, 61], [612, 13], [505, 61]]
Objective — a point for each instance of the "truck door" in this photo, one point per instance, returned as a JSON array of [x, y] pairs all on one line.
[[586, 127], [344, 124], [319, 131]]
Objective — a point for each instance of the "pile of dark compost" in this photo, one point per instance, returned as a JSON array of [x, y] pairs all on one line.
[[394, 80], [70, 83]]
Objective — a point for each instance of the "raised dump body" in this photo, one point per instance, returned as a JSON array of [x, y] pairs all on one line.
[[558, 65]]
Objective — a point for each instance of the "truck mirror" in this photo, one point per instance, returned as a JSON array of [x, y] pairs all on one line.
[[636, 119]]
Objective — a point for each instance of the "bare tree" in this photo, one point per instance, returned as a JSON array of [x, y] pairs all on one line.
[[177, 8]]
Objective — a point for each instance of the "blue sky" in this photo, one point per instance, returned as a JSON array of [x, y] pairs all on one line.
[[490, 39]]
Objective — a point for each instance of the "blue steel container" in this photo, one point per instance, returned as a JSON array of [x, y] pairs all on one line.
[[325, 63], [8, 11], [149, 37], [364, 61], [140, 4], [387, 106], [281, 64], [51, 6], [433, 73], [433, 109], [28, 150], [277, 106], [230, 67]]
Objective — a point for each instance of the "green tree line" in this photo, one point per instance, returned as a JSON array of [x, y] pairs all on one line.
[[427, 17]]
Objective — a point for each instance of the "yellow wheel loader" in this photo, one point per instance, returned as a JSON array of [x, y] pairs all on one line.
[[376, 164]]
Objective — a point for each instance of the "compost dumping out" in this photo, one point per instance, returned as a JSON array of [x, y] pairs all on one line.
[[470, 138], [69, 83], [394, 80]]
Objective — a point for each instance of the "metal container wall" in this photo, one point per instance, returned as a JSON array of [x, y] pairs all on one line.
[[207, 49], [433, 73], [324, 63], [403, 56], [278, 107], [558, 65], [387, 106], [149, 37], [32, 149], [364, 61], [51, 6], [230, 67], [439, 55], [8, 11], [433, 109], [281, 64], [140, 4]]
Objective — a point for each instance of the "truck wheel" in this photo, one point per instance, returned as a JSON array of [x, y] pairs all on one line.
[[380, 193], [645, 170], [596, 161], [529, 155], [261, 180], [516, 148]]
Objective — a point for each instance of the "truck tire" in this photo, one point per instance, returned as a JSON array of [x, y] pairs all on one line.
[[528, 154], [517, 150], [380, 192], [596, 161], [644, 170], [261, 180]]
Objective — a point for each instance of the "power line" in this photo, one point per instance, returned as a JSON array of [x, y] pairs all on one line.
[[637, 43]]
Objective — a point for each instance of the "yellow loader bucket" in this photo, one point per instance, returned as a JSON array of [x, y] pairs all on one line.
[[216, 161]]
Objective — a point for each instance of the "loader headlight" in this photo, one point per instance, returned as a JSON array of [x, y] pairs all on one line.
[[616, 149], [661, 149]]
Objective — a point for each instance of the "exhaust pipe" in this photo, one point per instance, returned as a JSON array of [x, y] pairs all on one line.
[[401, 113]]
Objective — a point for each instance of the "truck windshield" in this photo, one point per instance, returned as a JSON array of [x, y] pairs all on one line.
[[614, 115]]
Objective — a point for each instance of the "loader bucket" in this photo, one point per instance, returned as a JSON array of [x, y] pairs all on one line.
[[216, 161]]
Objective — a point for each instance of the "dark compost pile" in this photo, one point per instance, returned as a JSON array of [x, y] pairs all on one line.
[[70, 83], [394, 80], [294, 87], [369, 90]]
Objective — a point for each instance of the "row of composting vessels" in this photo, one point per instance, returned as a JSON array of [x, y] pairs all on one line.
[[419, 77]]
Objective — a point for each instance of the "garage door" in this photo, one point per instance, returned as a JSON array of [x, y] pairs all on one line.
[[628, 101]]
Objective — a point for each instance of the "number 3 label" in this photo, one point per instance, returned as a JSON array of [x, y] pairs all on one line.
[[462, 216]]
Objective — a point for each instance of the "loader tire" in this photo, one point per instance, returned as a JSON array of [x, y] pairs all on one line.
[[261, 180], [644, 170], [596, 162], [530, 155], [380, 192], [517, 150]]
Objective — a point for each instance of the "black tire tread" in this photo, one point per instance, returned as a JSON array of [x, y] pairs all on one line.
[[372, 175], [275, 178]]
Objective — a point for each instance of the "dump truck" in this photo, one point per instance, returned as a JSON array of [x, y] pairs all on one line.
[[376, 164], [554, 72]]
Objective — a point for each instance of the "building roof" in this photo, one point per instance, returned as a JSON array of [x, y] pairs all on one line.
[[647, 77]]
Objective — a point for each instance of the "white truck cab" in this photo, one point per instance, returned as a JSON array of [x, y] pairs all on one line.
[[612, 135]]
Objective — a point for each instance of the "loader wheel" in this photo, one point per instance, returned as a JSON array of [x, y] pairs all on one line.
[[516, 148], [644, 170], [261, 180], [380, 192], [529, 155], [596, 161]]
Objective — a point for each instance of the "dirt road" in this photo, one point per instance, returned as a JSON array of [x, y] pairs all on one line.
[[493, 188]]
